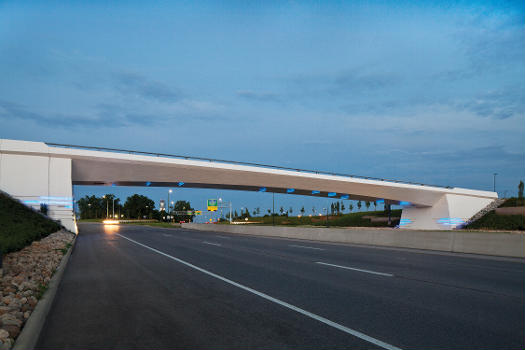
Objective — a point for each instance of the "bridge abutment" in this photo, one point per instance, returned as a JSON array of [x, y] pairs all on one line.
[[35, 178], [449, 212]]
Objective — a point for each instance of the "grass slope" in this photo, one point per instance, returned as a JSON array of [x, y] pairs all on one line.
[[20, 225], [492, 221], [351, 219]]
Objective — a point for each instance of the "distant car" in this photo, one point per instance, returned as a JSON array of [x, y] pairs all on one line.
[[182, 222]]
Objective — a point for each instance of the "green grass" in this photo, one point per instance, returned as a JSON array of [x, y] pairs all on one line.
[[492, 221], [351, 219], [41, 290], [66, 248], [20, 225]]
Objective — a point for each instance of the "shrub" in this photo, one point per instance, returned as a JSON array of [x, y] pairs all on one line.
[[514, 202], [492, 221]]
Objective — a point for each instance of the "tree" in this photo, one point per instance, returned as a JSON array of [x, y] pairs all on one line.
[[367, 205], [359, 205], [281, 210], [313, 210], [138, 205], [269, 211], [375, 205], [342, 207], [291, 210], [520, 190], [90, 207], [258, 210], [302, 210], [351, 207], [179, 208], [235, 215]]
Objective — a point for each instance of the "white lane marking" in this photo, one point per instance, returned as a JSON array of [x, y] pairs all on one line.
[[211, 243], [355, 269], [275, 300], [166, 235], [223, 237], [304, 247]]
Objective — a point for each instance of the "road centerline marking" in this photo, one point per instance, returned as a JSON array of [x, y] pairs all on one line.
[[321, 319], [356, 269], [211, 243], [304, 247]]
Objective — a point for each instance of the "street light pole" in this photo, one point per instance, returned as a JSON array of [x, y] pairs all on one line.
[[273, 208], [169, 210], [107, 206], [113, 208], [495, 181]]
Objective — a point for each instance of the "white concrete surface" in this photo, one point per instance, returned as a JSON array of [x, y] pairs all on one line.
[[36, 177], [40, 172]]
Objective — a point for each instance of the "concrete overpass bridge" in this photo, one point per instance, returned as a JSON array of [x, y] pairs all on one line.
[[37, 172]]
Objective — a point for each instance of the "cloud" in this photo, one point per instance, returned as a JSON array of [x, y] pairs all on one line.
[[132, 83], [354, 81], [260, 96], [108, 115], [104, 116], [9, 110], [499, 104]]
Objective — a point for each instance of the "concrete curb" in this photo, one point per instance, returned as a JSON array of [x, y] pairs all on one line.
[[33, 326]]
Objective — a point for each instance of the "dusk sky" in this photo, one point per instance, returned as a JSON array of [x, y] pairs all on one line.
[[432, 92]]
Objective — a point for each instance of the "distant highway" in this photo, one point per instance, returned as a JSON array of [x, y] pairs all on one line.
[[142, 287]]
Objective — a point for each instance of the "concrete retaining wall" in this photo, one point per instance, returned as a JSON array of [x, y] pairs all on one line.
[[499, 244]]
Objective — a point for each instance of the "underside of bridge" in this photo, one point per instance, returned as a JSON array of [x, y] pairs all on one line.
[[35, 173]]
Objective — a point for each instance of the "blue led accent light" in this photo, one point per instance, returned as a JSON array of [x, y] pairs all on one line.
[[262, 189], [380, 201], [316, 192], [290, 190], [345, 196], [404, 203], [403, 222], [181, 184], [332, 194], [113, 185], [148, 183], [450, 221]]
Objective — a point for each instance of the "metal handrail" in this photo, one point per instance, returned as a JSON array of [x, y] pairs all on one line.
[[318, 172]]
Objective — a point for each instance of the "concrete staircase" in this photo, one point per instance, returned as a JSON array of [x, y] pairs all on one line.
[[493, 205]]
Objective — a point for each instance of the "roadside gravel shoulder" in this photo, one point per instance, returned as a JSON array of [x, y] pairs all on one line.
[[27, 281]]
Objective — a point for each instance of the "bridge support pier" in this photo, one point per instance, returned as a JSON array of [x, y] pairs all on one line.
[[35, 179]]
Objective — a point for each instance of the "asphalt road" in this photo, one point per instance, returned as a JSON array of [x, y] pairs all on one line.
[[142, 287]]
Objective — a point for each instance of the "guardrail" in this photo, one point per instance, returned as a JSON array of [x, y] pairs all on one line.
[[318, 172]]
